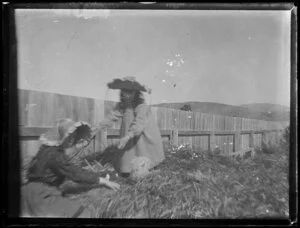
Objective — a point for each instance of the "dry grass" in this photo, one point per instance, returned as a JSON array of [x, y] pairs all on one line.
[[191, 185]]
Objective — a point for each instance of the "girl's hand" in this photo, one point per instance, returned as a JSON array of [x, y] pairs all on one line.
[[123, 142], [103, 125], [113, 185]]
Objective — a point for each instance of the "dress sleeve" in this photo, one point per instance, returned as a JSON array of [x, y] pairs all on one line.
[[140, 122], [60, 164]]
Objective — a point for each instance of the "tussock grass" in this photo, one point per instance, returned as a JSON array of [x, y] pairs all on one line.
[[191, 185]]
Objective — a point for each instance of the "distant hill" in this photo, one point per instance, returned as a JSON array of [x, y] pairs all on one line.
[[261, 111], [270, 111], [266, 107]]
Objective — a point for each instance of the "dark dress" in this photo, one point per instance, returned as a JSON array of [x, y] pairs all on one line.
[[41, 196]]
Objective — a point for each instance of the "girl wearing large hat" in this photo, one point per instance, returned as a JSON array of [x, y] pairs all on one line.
[[140, 135], [41, 196]]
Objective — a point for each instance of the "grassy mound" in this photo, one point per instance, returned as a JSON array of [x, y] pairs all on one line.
[[206, 185]]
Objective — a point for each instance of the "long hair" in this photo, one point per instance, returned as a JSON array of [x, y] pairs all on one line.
[[137, 100]]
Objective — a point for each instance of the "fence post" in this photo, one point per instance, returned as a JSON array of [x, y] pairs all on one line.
[[174, 137], [101, 140], [211, 141], [237, 140], [211, 138], [279, 135], [264, 138], [251, 139]]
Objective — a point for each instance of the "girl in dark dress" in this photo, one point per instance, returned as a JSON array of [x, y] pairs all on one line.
[[51, 166]]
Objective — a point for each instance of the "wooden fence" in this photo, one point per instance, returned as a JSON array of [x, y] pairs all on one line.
[[38, 111]]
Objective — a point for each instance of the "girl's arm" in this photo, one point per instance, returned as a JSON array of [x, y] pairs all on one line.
[[137, 126], [140, 122], [113, 116], [60, 164]]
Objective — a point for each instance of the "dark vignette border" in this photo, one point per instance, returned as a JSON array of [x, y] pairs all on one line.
[[293, 169], [10, 141], [11, 153]]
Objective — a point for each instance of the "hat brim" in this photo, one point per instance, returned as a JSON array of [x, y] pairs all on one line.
[[80, 132], [126, 84]]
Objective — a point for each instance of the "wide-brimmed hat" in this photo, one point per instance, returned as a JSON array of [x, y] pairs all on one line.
[[67, 133], [129, 83]]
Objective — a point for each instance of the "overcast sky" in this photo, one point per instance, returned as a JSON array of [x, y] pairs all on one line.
[[230, 57]]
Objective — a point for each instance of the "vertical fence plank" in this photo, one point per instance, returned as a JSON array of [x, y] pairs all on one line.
[[23, 97], [98, 112], [264, 138], [257, 140], [175, 119], [237, 139], [251, 139], [212, 138], [174, 137], [154, 113], [29, 149], [212, 142]]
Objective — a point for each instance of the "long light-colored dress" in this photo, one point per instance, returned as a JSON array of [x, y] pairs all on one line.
[[147, 141]]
